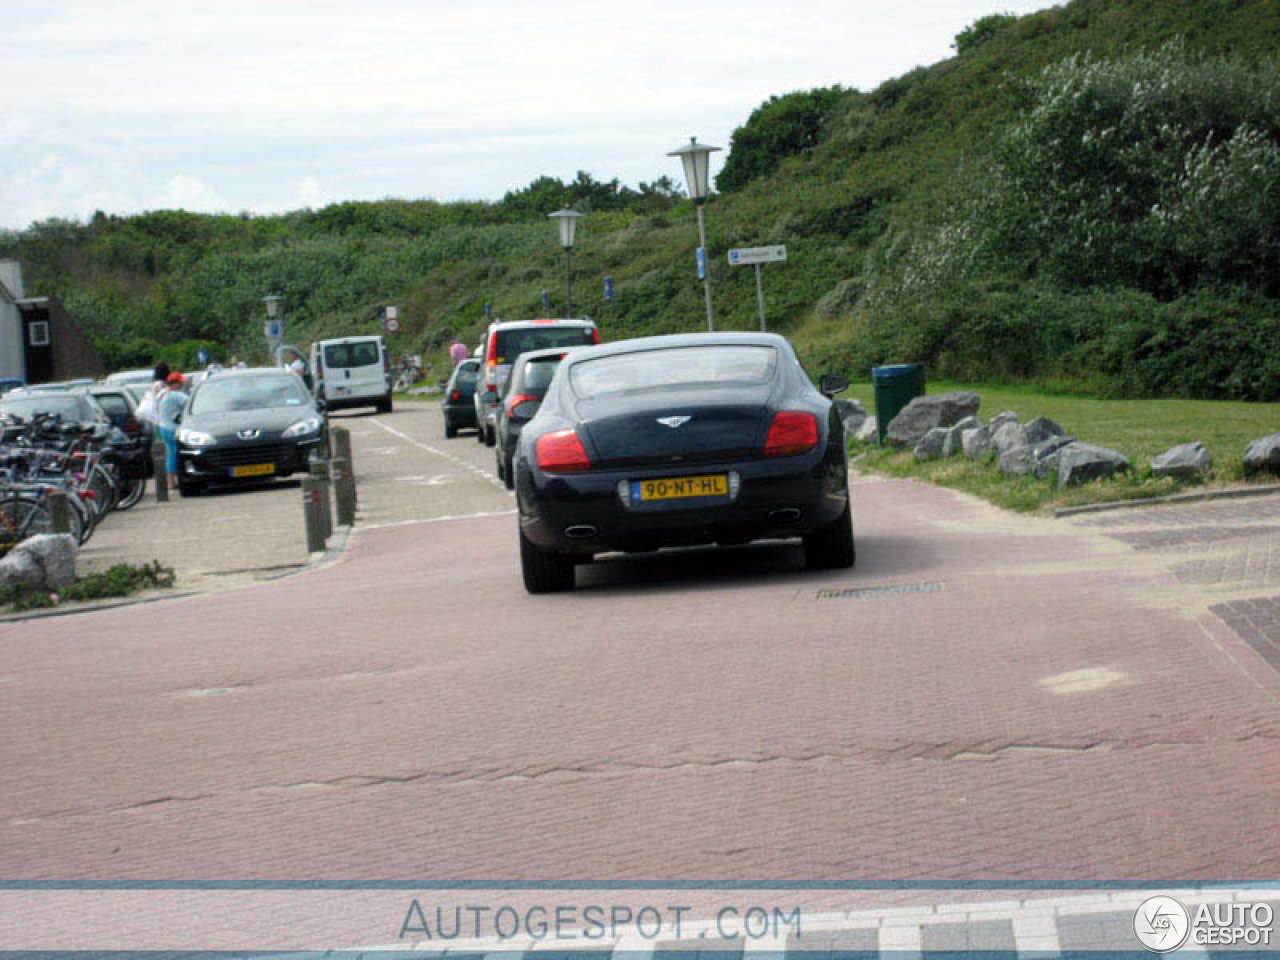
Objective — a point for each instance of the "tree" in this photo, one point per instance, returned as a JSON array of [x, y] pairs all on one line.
[[982, 30], [780, 127]]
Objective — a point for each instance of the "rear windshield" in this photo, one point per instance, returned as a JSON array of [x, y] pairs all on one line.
[[674, 367], [512, 343], [113, 403], [225, 394], [352, 354], [467, 375], [64, 405], [537, 374]]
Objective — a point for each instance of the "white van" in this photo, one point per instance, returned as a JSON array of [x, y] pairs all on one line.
[[352, 372]]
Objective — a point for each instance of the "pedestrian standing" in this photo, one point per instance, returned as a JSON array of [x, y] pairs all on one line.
[[458, 352], [169, 407]]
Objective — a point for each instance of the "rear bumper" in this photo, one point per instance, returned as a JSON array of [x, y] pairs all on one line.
[[346, 403], [584, 513], [460, 415]]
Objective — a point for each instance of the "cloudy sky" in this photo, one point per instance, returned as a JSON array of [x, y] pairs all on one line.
[[270, 105]]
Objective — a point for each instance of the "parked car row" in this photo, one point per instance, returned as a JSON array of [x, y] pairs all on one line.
[[656, 442]]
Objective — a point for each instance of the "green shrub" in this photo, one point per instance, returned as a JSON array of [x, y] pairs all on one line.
[[120, 580]]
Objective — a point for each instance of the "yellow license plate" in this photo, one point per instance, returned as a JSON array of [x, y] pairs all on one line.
[[254, 470], [675, 488]]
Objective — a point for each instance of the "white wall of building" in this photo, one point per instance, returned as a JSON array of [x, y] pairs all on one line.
[[12, 349]]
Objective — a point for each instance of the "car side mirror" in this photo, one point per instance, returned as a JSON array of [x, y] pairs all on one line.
[[832, 383]]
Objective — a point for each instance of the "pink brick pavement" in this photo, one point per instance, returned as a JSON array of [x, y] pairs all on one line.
[[411, 712]]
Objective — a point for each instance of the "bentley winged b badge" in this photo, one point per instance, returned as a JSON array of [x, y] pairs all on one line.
[[673, 422]]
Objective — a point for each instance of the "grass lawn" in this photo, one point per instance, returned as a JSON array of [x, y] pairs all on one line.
[[1140, 429]]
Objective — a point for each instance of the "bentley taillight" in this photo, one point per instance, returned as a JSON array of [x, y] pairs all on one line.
[[792, 432], [561, 451]]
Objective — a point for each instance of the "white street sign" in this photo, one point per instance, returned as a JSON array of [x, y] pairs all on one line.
[[749, 255]]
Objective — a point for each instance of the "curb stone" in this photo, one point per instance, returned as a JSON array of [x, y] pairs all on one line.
[[1229, 493]]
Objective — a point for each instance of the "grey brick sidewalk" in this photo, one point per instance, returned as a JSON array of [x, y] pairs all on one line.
[[1226, 553]]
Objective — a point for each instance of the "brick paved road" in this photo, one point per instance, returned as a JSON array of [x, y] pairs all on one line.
[[1223, 554], [1038, 705]]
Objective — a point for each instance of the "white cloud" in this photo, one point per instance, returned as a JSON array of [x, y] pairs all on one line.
[[185, 192], [139, 103]]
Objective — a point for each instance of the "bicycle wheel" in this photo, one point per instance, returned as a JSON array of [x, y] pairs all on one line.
[[103, 488], [85, 519], [8, 527], [25, 515]]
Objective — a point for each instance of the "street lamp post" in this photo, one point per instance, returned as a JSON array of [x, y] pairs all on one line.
[[697, 163], [274, 328], [568, 222]]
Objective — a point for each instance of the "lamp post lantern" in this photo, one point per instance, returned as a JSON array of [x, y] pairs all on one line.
[[696, 158], [567, 220]]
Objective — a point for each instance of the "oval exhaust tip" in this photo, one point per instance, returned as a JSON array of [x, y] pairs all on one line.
[[580, 532], [785, 515]]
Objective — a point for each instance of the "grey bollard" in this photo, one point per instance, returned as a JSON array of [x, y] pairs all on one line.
[[340, 440], [312, 495], [344, 491], [59, 511], [158, 457], [320, 472]]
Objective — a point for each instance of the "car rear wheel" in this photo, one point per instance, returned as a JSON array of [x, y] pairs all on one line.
[[384, 405], [544, 571], [131, 492], [450, 431], [490, 437], [831, 548], [508, 475]]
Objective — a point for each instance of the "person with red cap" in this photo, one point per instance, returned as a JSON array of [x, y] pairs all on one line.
[[169, 407]]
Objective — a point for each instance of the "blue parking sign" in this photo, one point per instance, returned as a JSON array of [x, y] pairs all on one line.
[[702, 264], [608, 287]]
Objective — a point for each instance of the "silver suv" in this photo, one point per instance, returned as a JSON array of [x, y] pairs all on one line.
[[506, 340]]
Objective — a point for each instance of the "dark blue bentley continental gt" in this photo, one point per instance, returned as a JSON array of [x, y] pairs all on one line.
[[676, 441]]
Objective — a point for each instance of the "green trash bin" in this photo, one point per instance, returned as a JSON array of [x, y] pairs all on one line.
[[895, 387]]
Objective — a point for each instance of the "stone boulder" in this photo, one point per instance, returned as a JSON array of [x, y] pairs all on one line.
[[44, 562], [1184, 460], [867, 431], [953, 446], [1081, 462], [1017, 461], [1008, 416], [1047, 454], [852, 414], [930, 445], [1041, 429], [20, 568], [1263, 454], [976, 443], [1009, 435], [925, 413]]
